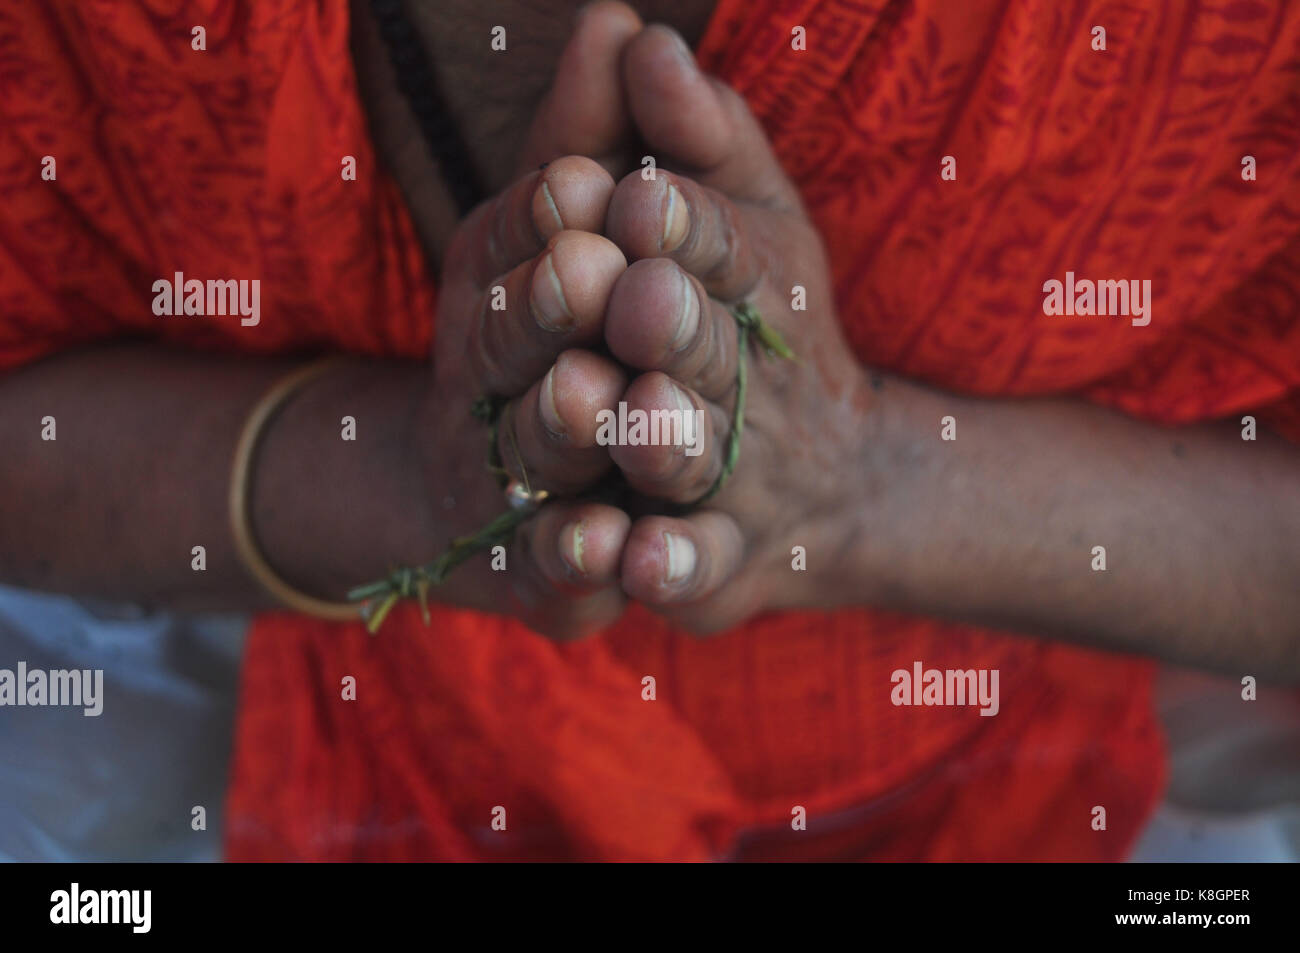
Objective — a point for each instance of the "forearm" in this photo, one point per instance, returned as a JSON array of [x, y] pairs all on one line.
[[1201, 530], [139, 472]]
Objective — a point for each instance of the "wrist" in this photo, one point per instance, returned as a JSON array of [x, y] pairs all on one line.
[[876, 550], [336, 498]]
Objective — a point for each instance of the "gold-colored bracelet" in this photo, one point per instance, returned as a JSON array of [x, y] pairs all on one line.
[[240, 522]]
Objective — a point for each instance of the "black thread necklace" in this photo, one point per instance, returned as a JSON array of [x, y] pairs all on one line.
[[418, 84]]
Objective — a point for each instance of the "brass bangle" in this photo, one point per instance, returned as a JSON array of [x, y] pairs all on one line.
[[241, 526]]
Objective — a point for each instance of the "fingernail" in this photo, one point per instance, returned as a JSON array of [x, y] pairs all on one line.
[[691, 436], [684, 402], [550, 310], [572, 541], [681, 557], [551, 419], [676, 221], [544, 210], [688, 318]]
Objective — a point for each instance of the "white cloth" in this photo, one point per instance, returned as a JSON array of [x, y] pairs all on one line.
[[123, 785]]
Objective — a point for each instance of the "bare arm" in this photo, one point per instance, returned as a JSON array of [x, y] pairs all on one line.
[[139, 473], [1201, 528]]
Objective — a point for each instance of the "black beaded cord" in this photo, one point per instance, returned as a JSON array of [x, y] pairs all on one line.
[[419, 86]]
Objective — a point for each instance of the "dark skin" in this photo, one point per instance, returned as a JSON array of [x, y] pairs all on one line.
[[495, 96], [94, 525], [1198, 525], [940, 529]]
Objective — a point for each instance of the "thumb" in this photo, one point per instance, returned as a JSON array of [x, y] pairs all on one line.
[[699, 125], [584, 113]]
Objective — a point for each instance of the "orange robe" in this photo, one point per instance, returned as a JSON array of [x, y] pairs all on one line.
[[1117, 164]]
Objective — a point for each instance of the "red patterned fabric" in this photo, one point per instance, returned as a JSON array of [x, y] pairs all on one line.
[[1117, 164]]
